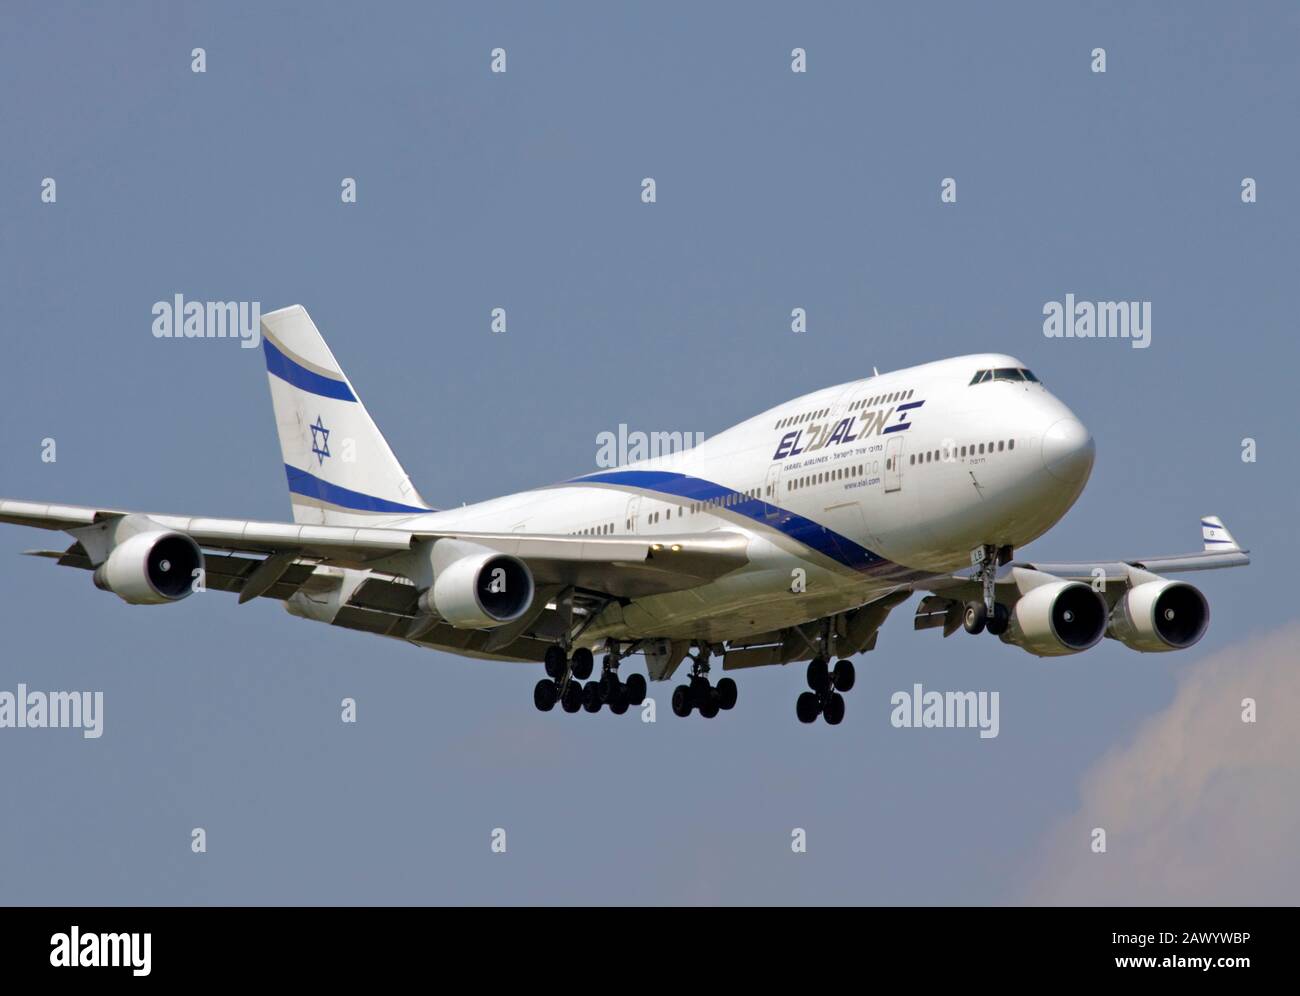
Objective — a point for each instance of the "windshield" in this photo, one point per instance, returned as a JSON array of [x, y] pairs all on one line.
[[1019, 374]]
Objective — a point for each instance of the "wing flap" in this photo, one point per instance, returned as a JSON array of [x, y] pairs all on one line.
[[222, 572]]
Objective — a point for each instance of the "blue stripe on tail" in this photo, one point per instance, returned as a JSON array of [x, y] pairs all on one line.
[[300, 377], [303, 483]]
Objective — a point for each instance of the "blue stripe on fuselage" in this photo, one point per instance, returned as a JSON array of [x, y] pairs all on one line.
[[811, 534]]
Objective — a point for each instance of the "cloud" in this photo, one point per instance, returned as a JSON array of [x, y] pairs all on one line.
[[1201, 807]]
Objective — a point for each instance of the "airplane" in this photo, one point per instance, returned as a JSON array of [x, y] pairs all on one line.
[[787, 538]]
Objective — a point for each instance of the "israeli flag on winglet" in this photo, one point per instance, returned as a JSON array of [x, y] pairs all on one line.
[[1216, 536]]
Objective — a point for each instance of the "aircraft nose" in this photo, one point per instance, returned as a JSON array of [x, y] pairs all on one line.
[[1068, 450]]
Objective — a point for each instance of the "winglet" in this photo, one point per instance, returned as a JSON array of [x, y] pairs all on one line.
[[1216, 535]]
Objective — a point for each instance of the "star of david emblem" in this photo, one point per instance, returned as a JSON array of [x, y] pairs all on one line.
[[320, 440]]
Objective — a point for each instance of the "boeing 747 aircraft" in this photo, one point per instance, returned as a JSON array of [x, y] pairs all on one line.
[[787, 538]]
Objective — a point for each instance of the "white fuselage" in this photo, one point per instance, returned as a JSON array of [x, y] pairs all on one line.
[[852, 491]]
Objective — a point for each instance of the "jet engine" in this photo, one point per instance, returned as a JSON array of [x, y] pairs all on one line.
[[481, 590], [151, 568], [1057, 618], [1159, 615]]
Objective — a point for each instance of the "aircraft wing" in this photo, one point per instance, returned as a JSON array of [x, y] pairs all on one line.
[[1220, 550], [617, 566], [949, 591]]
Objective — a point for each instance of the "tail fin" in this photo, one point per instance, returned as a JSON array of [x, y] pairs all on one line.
[[340, 468], [1216, 536]]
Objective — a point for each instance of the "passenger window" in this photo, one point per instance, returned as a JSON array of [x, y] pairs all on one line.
[[1011, 444]]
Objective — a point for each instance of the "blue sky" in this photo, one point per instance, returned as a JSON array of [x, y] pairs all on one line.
[[521, 190]]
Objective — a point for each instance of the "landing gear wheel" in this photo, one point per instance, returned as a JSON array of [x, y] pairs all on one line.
[[609, 683], [582, 663], [681, 701], [807, 707], [844, 676], [975, 617], [636, 689], [709, 705], [591, 696], [555, 661], [617, 702], [571, 700], [997, 623], [544, 695], [819, 678], [834, 710], [727, 692]]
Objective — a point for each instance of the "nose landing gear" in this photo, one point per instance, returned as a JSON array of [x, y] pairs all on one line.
[[989, 613]]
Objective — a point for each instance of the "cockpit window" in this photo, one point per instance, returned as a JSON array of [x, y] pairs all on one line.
[[1004, 373]]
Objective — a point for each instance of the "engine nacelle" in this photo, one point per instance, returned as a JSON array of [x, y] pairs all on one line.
[[151, 568], [1159, 615], [481, 590], [1057, 618]]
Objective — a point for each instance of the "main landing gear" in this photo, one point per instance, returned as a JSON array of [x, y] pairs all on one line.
[[699, 694], [566, 683], [825, 699]]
